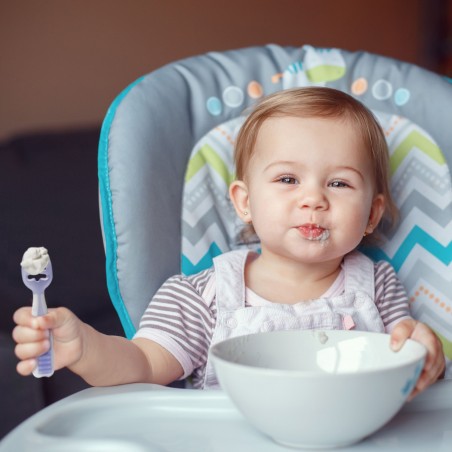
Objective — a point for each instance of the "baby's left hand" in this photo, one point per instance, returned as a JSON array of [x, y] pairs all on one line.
[[434, 362]]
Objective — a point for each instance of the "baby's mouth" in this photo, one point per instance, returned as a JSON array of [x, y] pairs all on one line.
[[313, 232]]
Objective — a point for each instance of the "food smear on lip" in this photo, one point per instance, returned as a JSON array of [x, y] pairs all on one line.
[[314, 232], [35, 260]]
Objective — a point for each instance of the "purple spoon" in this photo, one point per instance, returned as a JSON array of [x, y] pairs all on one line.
[[37, 284]]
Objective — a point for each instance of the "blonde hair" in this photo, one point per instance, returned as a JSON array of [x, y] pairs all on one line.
[[319, 102]]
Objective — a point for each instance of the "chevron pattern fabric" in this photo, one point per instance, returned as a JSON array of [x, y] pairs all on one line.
[[209, 223], [419, 248]]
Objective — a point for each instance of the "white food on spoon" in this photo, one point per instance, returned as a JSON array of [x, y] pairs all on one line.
[[35, 260]]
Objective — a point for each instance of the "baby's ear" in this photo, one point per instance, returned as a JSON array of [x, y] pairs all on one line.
[[238, 192], [377, 210]]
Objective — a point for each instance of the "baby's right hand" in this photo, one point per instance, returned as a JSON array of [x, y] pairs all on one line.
[[31, 335]]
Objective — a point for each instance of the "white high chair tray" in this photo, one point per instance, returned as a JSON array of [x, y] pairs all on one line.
[[151, 418]]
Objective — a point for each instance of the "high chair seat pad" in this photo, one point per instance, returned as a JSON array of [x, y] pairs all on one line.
[[165, 161], [419, 249]]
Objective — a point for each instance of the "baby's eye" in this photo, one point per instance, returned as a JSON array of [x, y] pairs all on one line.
[[338, 184], [287, 180]]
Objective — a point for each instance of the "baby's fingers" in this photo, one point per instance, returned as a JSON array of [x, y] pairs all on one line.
[[401, 333], [23, 317], [426, 378], [26, 367], [23, 334], [31, 350], [434, 363], [53, 319]]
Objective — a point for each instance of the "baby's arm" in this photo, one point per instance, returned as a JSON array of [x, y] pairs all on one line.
[[392, 302], [99, 359], [435, 362]]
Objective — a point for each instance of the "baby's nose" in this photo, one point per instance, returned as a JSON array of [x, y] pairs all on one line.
[[313, 198]]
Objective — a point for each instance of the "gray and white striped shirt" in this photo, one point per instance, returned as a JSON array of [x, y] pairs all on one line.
[[181, 320]]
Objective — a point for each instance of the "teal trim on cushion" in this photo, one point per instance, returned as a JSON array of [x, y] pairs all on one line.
[[108, 222], [417, 236], [188, 268]]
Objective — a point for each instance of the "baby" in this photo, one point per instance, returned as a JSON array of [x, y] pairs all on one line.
[[312, 181]]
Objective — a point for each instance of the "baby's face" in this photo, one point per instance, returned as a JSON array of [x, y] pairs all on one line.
[[310, 188]]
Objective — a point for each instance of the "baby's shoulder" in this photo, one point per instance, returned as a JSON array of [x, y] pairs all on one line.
[[196, 282]]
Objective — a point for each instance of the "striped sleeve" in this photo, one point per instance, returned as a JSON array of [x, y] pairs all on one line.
[[391, 298], [179, 320]]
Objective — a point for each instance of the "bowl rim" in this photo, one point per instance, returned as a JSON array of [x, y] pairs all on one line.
[[421, 354]]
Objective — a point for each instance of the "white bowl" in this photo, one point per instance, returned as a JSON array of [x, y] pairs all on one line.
[[317, 388]]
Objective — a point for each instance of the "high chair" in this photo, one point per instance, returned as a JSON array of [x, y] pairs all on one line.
[[165, 163]]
